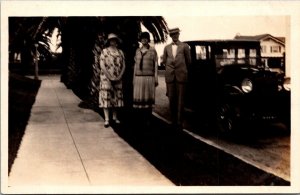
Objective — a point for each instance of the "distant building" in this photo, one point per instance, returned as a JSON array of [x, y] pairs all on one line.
[[272, 49]]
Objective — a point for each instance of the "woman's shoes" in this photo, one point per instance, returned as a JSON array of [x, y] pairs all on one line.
[[116, 121], [106, 123]]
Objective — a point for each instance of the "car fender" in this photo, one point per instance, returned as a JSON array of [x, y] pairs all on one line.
[[232, 90]]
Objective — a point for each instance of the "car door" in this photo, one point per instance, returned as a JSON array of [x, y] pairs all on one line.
[[202, 79]]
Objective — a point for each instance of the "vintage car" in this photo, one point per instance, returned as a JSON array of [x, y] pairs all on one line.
[[229, 85]]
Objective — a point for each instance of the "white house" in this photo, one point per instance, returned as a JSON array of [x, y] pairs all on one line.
[[271, 46], [272, 49]]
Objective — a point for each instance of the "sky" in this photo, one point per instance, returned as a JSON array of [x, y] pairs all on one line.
[[225, 27]]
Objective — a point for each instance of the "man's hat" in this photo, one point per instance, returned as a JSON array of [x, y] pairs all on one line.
[[174, 31]]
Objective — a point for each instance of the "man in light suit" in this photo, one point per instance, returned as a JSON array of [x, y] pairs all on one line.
[[176, 58]]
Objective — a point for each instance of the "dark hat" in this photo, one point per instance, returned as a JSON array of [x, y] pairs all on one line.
[[145, 35], [174, 31]]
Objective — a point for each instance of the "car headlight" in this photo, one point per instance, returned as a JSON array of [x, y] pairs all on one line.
[[287, 84], [247, 85]]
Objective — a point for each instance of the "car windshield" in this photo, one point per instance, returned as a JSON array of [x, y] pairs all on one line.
[[236, 56]]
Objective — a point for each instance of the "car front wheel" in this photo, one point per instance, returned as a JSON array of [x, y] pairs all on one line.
[[226, 118]]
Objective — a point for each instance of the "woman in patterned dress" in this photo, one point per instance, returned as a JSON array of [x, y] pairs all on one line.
[[145, 78], [112, 66]]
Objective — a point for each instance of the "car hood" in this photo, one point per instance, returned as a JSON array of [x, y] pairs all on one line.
[[236, 73]]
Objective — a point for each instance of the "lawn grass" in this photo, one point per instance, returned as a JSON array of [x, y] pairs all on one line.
[[22, 92]]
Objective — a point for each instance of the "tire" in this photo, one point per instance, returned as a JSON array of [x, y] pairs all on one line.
[[227, 119]]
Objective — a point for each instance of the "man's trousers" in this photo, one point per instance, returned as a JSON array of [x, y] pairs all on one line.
[[176, 93]]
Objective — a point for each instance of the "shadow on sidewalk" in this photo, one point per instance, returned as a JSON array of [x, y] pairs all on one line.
[[187, 161]]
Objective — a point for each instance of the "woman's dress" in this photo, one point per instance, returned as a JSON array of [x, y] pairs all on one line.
[[111, 92]]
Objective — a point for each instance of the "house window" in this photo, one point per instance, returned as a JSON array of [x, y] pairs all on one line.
[[275, 49], [263, 49]]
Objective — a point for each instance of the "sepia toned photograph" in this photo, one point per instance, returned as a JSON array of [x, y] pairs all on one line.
[[128, 99]]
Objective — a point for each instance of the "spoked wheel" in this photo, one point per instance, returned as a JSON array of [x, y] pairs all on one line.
[[226, 118]]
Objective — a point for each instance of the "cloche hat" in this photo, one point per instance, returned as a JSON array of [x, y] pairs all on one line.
[[145, 35], [113, 36]]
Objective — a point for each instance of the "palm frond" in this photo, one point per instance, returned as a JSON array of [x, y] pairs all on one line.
[[157, 26]]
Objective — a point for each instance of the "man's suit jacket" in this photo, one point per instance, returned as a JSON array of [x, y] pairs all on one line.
[[176, 67]]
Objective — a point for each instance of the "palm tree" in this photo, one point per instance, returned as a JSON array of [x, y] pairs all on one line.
[[78, 37], [29, 36]]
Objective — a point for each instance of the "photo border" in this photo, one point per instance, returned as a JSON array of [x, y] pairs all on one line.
[[153, 8]]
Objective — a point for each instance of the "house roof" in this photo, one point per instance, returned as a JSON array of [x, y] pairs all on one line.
[[261, 37], [281, 38]]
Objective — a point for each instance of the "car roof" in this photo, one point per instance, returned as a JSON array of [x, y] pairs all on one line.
[[224, 42], [221, 40]]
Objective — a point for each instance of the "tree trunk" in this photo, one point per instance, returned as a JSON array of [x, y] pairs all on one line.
[[26, 59], [94, 84]]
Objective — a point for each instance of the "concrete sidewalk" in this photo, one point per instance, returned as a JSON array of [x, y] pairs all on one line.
[[65, 145]]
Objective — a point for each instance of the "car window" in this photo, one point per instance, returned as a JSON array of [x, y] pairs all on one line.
[[224, 57], [201, 52], [252, 56], [241, 56], [230, 56]]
